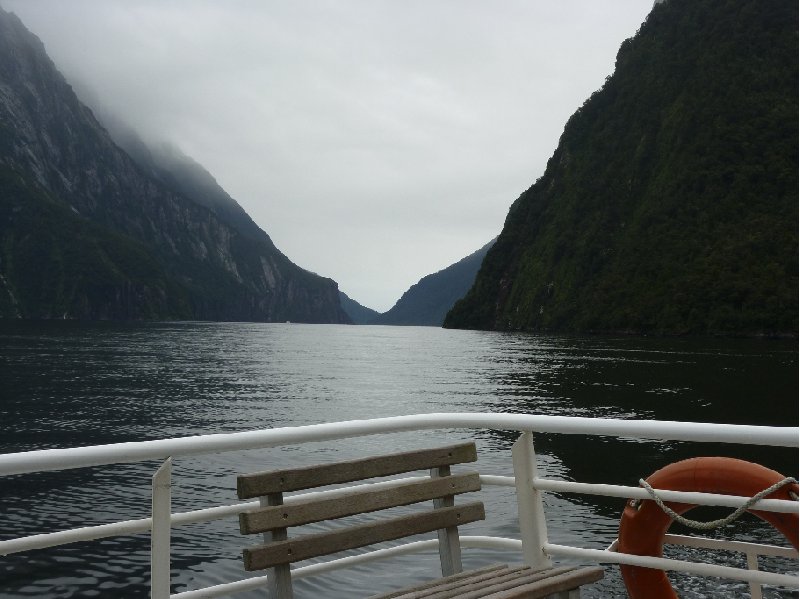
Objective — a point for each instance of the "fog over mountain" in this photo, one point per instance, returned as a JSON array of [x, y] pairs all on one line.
[[375, 141], [88, 232]]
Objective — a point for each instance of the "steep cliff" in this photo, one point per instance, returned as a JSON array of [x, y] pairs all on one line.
[[125, 241], [671, 203]]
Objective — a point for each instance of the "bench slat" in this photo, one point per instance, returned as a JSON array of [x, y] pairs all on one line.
[[507, 583], [253, 485], [295, 550], [453, 579], [356, 502], [552, 584], [445, 590], [490, 585], [501, 583]]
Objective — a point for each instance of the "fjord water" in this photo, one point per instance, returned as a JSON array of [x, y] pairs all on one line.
[[67, 384]]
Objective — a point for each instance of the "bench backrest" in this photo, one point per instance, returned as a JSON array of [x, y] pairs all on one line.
[[273, 518]]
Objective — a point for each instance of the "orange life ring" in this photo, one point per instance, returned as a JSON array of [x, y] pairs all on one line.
[[643, 525]]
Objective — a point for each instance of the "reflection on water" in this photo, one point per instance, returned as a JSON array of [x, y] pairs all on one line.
[[67, 384]]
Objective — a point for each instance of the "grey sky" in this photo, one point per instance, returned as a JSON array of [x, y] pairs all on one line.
[[375, 141]]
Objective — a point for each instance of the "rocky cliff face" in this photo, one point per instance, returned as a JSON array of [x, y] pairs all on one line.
[[89, 233], [671, 203]]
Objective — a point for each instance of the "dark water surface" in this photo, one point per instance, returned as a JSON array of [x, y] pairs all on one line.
[[70, 384]]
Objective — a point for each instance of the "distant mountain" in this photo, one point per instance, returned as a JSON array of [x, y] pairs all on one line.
[[180, 173], [426, 302], [358, 314], [671, 203], [87, 231]]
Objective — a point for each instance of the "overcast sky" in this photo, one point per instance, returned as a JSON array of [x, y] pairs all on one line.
[[375, 141]]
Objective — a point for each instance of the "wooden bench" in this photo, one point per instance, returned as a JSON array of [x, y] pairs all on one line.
[[274, 518]]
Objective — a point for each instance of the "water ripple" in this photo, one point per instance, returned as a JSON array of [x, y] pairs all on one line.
[[68, 384]]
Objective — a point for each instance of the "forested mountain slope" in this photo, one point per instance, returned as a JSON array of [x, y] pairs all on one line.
[[427, 302], [87, 232], [671, 203], [358, 314]]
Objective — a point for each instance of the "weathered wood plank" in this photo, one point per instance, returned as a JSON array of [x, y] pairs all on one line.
[[356, 502], [478, 585], [456, 588], [449, 544], [547, 586], [501, 581], [295, 550], [279, 584], [455, 578], [296, 479]]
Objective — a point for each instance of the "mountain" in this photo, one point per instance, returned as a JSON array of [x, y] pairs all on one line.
[[426, 303], [670, 205], [180, 173], [88, 232], [358, 314]]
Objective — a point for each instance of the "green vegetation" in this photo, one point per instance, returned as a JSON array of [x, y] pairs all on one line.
[[358, 314], [87, 231], [55, 264], [427, 302], [671, 203]]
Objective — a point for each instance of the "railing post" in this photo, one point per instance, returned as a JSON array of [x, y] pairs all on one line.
[[160, 532], [532, 524], [752, 564]]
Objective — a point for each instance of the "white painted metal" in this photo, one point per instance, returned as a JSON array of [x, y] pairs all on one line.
[[751, 550], [484, 542], [499, 481], [752, 564], [480, 542], [57, 459], [75, 535], [562, 486], [741, 546], [130, 527], [530, 507], [159, 536], [703, 569], [249, 584], [96, 455]]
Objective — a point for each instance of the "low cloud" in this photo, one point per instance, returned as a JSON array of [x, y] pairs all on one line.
[[375, 141]]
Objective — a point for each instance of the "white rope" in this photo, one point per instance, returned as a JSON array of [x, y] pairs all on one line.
[[722, 521]]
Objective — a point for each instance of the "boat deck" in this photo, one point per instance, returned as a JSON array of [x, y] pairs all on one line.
[[527, 546]]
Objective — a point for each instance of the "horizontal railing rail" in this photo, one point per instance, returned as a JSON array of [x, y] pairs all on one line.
[[740, 546], [119, 453], [663, 563], [62, 459], [626, 492], [143, 525]]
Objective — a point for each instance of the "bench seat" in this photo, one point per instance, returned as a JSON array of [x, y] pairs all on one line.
[[279, 551], [501, 582]]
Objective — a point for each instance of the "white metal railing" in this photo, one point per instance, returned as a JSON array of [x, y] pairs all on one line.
[[534, 545]]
